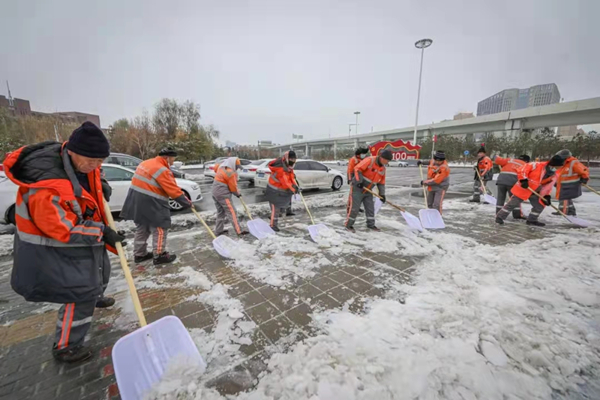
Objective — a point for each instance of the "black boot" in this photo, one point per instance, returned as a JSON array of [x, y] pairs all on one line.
[[374, 228], [361, 210], [351, 229], [555, 213], [243, 233], [276, 229], [536, 223], [105, 302], [474, 201], [72, 355], [139, 259], [519, 217], [499, 221], [225, 231], [164, 258], [290, 214]]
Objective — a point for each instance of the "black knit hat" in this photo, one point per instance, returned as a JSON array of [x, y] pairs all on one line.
[[439, 155], [291, 154], [89, 141], [386, 155], [525, 158], [168, 152], [556, 161], [481, 150], [361, 150]]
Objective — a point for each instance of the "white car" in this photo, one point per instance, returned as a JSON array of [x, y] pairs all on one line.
[[209, 167], [311, 175], [342, 162], [119, 179], [248, 172], [398, 164]]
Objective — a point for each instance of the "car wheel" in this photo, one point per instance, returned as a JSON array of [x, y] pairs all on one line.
[[175, 206], [337, 183]]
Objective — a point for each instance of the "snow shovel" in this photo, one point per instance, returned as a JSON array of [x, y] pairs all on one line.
[[222, 244], [259, 228], [589, 188], [410, 219], [315, 230], [430, 218], [574, 220], [141, 357], [487, 198]]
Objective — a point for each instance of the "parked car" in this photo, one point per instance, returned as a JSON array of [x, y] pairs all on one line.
[[131, 162], [342, 162], [398, 164], [311, 175], [248, 172], [119, 179], [209, 167]]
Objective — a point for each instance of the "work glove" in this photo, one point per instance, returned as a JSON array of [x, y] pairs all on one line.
[[421, 184], [419, 163], [296, 188], [238, 195], [360, 185], [111, 237], [106, 189], [524, 183], [547, 200], [584, 180], [184, 201], [382, 196]]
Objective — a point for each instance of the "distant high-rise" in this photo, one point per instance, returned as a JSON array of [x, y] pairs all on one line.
[[516, 99]]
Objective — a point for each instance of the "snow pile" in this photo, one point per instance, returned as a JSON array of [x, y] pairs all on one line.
[[6, 244], [194, 278]]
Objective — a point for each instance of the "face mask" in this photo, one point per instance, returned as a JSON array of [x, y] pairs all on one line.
[[551, 169], [291, 163], [363, 156]]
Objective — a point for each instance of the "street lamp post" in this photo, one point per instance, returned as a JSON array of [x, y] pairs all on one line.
[[357, 113], [421, 44]]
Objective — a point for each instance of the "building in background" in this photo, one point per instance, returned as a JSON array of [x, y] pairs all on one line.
[[230, 144], [463, 115], [569, 132], [16, 106], [517, 99]]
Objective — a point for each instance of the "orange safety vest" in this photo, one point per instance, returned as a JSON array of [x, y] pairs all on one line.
[[535, 173], [569, 175], [282, 177], [154, 178], [509, 165], [370, 171], [438, 175], [227, 177], [352, 163]]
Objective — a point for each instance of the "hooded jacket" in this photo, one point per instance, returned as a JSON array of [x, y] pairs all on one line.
[[510, 168], [540, 178], [438, 177], [59, 255], [568, 186]]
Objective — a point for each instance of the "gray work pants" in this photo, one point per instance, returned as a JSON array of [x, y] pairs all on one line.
[[357, 197], [477, 189], [515, 202], [74, 320], [225, 211], [567, 207], [503, 192], [159, 240], [435, 199]]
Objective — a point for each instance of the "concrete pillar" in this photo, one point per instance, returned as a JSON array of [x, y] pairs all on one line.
[[280, 152], [335, 150], [355, 143]]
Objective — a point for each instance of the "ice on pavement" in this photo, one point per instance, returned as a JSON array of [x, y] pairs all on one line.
[[478, 322]]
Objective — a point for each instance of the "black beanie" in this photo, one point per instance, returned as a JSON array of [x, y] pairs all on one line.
[[481, 150], [291, 154], [439, 155], [525, 158], [89, 141], [168, 151], [387, 155], [556, 161]]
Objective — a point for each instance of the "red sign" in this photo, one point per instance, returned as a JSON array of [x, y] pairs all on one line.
[[434, 138], [400, 149]]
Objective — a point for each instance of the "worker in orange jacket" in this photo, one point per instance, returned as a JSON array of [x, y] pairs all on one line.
[[570, 178], [507, 179], [282, 185], [484, 165], [147, 204], [438, 180], [359, 155], [538, 176], [369, 173], [224, 185], [62, 233]]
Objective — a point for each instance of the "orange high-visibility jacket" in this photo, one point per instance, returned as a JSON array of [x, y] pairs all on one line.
[[353, 162], [282, 177], [568, 186], [485, 166], [227, 177], [59, 252], [438, 177], [510, 168], [537, 175], [371, 173], [147, 201]]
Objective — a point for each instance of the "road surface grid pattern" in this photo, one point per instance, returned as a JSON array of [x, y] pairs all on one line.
[[281, 313]]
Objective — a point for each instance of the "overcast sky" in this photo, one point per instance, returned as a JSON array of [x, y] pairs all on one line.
[[263, 70]]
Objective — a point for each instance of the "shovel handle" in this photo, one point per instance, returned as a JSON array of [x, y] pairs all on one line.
[[391, 204], [483, 189], [588, 186], [203, 223], [307, 210], [245, 207], [551, 205], [423, 186], [126, 271]]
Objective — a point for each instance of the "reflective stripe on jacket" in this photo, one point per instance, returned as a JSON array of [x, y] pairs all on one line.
[[438, 177], [370, 173], [508, 174], [59, 253], [537, 175], [568, 186], [228, 178], [147, 201], [282, 177], [352, 163]]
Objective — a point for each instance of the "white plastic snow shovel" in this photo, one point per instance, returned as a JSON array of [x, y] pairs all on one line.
[[487, 198], [259, 228], [377, 205], [430, 218], [410, 219], [574, 220], [141, 357], [222, 244], [315, 230]]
